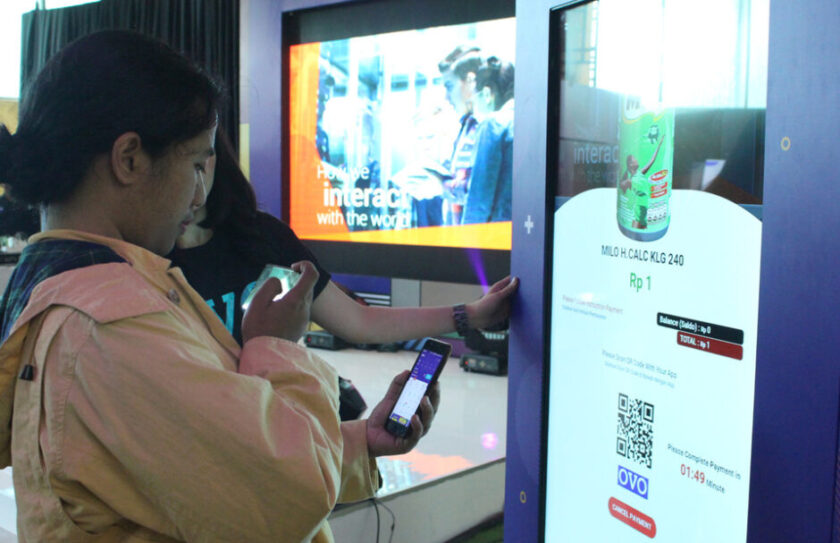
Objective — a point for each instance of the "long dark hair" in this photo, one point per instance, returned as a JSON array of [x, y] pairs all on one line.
[[94, 90], [232, 207], [232, 203]]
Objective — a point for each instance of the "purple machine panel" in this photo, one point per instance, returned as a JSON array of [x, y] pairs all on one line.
[[523, 466], [793, 492]]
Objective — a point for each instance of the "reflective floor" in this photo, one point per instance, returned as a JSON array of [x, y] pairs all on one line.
[[468, 430]]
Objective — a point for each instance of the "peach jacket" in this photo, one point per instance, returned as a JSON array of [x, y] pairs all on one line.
[[145, 421]]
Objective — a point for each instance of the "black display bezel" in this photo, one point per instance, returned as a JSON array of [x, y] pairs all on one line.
[[556, 54]]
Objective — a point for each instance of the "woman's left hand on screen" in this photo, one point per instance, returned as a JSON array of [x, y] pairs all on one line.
[[494, 306]]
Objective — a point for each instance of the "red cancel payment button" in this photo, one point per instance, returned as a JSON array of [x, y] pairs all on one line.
[[632, 517]]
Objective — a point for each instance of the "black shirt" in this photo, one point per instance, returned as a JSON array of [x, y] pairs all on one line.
[[223, 270]]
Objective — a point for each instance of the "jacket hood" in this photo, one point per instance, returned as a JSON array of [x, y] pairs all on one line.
[[39, 262]]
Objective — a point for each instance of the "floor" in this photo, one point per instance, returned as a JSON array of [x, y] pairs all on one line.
[[491, 531], [469, 428]]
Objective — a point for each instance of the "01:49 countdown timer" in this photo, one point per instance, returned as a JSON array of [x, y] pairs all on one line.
[[698, 476]]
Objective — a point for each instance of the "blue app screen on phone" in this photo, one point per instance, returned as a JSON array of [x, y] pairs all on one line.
[[422, 373]]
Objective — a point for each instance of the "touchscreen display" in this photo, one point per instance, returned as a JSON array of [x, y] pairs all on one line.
[[655, 272], [421, 375]]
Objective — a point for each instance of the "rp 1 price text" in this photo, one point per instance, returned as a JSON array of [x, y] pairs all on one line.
[[637, 282]]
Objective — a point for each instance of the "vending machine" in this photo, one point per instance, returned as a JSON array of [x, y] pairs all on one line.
[[673, 375]]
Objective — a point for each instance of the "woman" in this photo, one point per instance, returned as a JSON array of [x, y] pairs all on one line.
[[225, 246], [133, 406], [489, 194]]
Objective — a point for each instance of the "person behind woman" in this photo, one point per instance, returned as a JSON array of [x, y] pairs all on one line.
[[229, 241], [127, 411], [489, 194]]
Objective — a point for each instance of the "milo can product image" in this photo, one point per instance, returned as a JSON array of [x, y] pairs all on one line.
[[646, 155]]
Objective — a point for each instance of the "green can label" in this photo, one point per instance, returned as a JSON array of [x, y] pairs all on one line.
[[646, 154]]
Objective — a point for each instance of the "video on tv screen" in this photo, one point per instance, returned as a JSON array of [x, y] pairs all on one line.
[[404, 137]]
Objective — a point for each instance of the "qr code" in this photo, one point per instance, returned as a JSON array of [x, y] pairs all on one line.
[[635, 430]]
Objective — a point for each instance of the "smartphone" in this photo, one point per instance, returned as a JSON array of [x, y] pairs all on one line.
[[424, 373], [287, 276]]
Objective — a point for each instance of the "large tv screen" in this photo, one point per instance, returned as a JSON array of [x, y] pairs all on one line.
[[400, 139]]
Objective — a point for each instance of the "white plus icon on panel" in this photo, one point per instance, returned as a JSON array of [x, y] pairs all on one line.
[[529, 224]]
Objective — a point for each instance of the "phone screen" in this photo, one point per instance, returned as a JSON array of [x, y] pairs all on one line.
[[287, 276], [423, 374]]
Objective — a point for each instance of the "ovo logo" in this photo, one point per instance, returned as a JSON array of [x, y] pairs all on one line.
[[633, 482]]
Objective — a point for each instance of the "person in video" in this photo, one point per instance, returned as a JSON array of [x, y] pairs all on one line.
[[127, 410], [458, 70], [228, 241], [491, 179], [326, 83]]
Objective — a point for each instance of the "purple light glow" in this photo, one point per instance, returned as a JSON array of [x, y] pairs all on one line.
[[478, 266], [489, 441]]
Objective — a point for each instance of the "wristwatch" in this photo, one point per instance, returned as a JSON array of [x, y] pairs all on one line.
[[462, 322]]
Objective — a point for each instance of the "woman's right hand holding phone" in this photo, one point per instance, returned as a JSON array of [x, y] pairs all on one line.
[[383, 443]]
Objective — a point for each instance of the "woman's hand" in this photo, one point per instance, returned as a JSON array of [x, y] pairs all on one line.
[[494, 306], [286, 317], [382, 443]]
